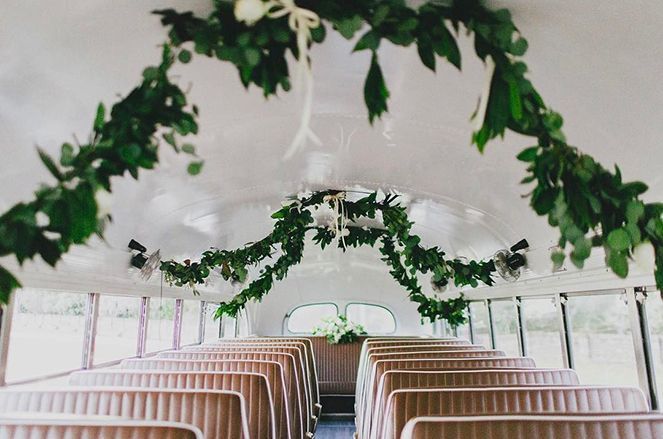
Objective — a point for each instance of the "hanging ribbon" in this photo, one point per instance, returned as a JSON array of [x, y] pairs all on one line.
[[485, 95], [301, 21], [339, 222]]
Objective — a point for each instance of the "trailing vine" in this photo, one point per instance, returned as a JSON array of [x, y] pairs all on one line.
[[590, 205], [400, 249], [127, 140]]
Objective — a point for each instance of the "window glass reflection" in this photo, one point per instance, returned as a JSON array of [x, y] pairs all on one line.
[[602, 343], [46, 334], [505, 322], [480, 323], [117, 328], [542, 334]]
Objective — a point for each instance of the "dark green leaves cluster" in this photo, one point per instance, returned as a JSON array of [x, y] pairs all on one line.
[[400, 249], [125, 141]]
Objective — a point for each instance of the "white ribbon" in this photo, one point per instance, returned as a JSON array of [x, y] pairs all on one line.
[[485, 95], [301, 21], [339, 220]]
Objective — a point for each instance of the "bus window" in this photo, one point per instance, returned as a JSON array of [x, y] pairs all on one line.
[[654, 306], [190, 322], [160, 325], [117, 328], [375, 319], [542, 331], [211, 325], [480, 323], [505, 323], [304, 318], [602, 343], [46, 334]]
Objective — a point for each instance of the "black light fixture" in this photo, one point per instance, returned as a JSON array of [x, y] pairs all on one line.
[[135, 245], [508, 263], [139, 259]]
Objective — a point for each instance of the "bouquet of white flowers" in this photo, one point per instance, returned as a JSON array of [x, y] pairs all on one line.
[[339, 330]]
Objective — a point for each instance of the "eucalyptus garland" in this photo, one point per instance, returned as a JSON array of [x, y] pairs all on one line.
[[590, 205], [401, 251], [127, 140]]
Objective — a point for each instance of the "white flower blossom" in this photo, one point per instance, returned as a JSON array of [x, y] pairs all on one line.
[[250, 11]]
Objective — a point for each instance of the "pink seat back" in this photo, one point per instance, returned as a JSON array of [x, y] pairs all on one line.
[[538, 427], [81, 428], [405, 404], [289, 356], [217, 413], [254, 387], [415, 379], [283, 363]]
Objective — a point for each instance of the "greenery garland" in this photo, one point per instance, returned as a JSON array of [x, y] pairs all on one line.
[[400, 249], [68, 212], [590, 205]]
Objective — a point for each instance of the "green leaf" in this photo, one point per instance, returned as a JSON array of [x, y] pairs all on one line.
[[184, 56], [67, 154], [8, 283], [619, 240], [188, 148], [528, 154], [369, 41], [426, 54], [375, 90], [515, 101], [50, 164], [618, 263], [194, 168], [558, 259], [347, 27], [100, 118], [519, 47], [151, 74], [634, 211]]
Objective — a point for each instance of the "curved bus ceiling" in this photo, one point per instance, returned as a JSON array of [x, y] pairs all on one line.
[[60, 58]]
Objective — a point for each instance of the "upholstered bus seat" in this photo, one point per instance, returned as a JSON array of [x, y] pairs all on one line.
[[284, 407], [296, 351], [304, 348], [81, 428], [254, 387], [308, 351], [284, 355], [536, 427], [405, 404], [412, 379], [368, 394], [217, 413]]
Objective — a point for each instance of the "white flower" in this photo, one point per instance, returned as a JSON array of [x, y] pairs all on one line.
[[250, 11], [644, 256]]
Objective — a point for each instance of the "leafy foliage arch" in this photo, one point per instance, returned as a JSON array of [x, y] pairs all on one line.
[[589, 204]]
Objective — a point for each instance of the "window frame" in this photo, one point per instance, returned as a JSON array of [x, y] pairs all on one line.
[[286, 318], [393, 316]]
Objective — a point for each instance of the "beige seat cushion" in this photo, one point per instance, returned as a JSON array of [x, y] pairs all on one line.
[[405, 404], [414, 379], [217, 413], [296, 351], [536, 427], [80, 428], [381, 366], [289, 357], [249, 363], [253, 386], [308, 350]]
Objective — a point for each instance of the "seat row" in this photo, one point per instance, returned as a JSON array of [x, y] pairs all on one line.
[[425, 388], [230, 388]]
